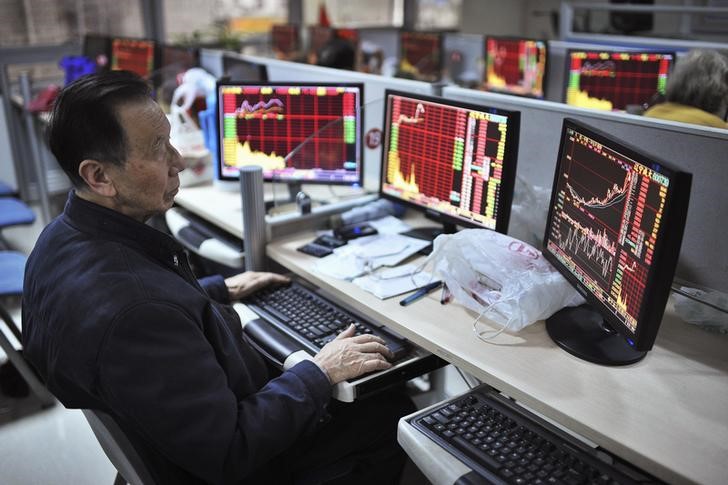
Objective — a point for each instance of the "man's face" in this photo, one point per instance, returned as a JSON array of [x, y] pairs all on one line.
[[147, 183]]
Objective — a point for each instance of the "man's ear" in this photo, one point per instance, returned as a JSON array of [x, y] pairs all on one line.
[[96, 176]]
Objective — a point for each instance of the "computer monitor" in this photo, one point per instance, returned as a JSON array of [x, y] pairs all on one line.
[[237, 69], [285, 40], [174, 61], [98, 49], [318, 36], [615, 80], [515, 66], [455, 162], [136, 55], [614, 229], [420, 56], [297, 132]]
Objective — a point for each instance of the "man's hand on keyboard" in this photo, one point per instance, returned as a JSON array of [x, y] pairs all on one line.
[[349, 356], [243, 284]]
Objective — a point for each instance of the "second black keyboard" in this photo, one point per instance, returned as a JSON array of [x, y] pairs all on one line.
[[313, 319]]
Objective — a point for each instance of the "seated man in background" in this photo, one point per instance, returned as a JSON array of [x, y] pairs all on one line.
[[113, 319], [697, 91]]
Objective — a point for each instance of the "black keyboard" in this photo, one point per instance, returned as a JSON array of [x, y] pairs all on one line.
[[503, 443], [314, 320]]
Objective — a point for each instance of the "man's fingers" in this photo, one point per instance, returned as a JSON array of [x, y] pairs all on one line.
[[372, 365], [350, 330], [364, 338], [375, 347]]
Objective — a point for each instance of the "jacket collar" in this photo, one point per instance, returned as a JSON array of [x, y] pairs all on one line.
[[109, 224]]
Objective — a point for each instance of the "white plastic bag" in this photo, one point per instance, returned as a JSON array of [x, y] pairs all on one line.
[[501, 278]]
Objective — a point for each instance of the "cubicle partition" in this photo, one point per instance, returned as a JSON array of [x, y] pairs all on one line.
[[699, 150], [374, 86]]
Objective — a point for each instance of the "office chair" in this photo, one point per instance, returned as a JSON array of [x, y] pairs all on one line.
[[5, 189], [12, 266], [13, 212], [129, 466]]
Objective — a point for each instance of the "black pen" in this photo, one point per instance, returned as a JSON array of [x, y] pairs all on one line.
[[421, 292]]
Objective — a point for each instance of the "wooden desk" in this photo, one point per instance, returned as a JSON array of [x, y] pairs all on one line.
[[667, 414]]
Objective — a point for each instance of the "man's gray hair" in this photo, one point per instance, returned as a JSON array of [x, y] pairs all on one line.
[[700, 79]]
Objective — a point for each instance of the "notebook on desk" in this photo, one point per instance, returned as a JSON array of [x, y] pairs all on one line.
[[291, 323]]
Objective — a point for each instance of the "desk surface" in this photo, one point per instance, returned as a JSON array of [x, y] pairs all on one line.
[[667, 414], [223, 207]]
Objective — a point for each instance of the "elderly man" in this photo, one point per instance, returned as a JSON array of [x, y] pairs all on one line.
[[114, 319]]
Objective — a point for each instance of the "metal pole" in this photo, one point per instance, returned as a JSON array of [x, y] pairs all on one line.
[[34, 148]]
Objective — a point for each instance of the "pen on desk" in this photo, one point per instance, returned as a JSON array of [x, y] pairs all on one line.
[[420, 293], [446, 295]]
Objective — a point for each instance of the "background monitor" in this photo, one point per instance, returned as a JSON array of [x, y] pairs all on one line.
[[136, 55], [420, 56], [285, 40], [615, 80], [238, 69], [515, 66], [298, 132], [98, 49], [614, 229], [454, 161], [174, 61]]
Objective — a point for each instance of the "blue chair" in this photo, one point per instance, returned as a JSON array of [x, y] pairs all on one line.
[[13, 212], [5, 189], [12, 268]]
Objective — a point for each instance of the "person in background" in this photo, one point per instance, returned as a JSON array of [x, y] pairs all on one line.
[[337, 53], [115, 320], [697, 91]]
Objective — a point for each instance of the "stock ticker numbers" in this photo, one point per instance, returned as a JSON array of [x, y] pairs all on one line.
[[450, 159], [607, 216]]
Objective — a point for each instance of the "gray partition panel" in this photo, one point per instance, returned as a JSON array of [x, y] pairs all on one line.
[[374, 86], [695, 149]]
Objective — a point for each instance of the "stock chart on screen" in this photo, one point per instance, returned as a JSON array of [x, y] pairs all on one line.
[[614, 80], [307, 133], [447, 158], [420, 55], [515, 66], [133, 55], [605, 223]]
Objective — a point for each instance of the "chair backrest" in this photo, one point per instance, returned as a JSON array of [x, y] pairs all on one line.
[[118, 448]]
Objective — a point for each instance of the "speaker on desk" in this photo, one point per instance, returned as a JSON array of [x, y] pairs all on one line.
[[254, 230]]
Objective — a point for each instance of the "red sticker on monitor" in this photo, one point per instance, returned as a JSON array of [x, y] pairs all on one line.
[[373, 138]]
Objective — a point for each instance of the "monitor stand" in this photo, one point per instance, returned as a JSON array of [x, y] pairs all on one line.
[[429, 233], [583, 332], [293, 189]]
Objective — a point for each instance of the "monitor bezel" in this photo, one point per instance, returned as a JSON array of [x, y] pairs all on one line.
[[229, 178], [155, 50], [565, 87], [440, 47], [544, 83], [667, 248], [510, 161], [262, 69]]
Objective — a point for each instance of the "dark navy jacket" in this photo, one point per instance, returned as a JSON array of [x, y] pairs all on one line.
[[113, 319]]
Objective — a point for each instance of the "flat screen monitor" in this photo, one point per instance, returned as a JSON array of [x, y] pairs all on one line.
[[515, 66], [237, 69], [614, 229], [98, 49], [615, 80], [286, 40], [297, 132], [174, 61], [318, 36], [455, 162], [136, 55], [420, 56]]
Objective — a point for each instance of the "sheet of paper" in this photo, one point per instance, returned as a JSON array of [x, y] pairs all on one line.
[[366, 254], [390, 225], [386, 283]]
